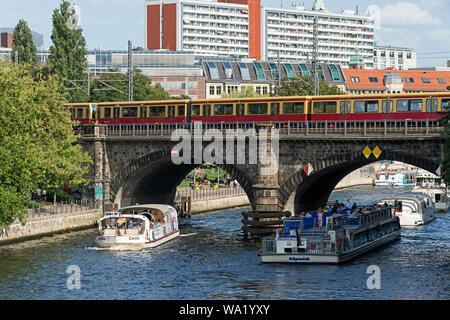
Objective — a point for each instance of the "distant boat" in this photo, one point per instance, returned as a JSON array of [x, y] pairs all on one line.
[[433, 186], [146, 226], [414, 208], [391, 178]]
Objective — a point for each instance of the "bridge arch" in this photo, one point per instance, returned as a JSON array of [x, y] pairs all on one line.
[[302, 192], [153, 178]]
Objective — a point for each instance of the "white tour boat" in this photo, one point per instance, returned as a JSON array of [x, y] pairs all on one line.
[[433, 186], [147, 225], [413, 208], [391, 179], [330, 239]]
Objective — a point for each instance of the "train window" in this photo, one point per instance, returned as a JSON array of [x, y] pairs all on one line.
[[366, 106], [257, 108], [206, 110], [223, 109], [240, 108], [275, 108], [409, 105], [181, 111], [345, 109], [195, 110], [143, 112], [72, 113], [106, 112], [158, 111], [129, 112], [325, 107], [80, 113], [293, 107], [445, 105]]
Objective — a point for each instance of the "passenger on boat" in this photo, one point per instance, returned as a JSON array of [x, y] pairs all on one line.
[[308, 215], [348, 204], [353, 206]]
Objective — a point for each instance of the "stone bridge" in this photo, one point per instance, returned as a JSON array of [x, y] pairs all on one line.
[[133, 164]]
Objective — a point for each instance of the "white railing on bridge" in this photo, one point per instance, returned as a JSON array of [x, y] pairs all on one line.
[[290, 128]]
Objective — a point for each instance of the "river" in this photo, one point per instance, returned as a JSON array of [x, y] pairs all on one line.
[[211, 261]]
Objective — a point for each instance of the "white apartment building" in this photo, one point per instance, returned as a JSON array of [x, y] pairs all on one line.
[[288, 34], [398, 58], [205, 27]]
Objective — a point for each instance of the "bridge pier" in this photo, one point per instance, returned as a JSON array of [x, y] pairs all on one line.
[[267, 215]]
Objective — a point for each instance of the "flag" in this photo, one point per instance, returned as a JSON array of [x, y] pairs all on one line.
[[308, 169]]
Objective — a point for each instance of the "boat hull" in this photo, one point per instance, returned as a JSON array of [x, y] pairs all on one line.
[[318, 258], [127, 242]]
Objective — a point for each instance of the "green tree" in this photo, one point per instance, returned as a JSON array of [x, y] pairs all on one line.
[[67, 57], [303, 86], [114, 87], [23, 44], [37, 144], [245, 92]]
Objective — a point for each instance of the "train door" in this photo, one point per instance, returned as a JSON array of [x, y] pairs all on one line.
[[344, 109], [116, 114], [170, 113], [188, 111], [274, 110], [387, 107], [93, 107], [240, 111], [430, 110], [206, 112]]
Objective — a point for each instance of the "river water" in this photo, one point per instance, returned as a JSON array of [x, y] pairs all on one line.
[[211, 261]]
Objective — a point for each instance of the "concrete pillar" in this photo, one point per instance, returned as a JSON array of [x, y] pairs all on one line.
[[265, 191], [99, 157]]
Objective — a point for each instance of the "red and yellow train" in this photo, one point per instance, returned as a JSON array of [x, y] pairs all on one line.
[[414, 106]]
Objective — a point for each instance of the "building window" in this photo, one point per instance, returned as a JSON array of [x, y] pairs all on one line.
[[408, 55], [442, 81], [354, 79], [400, 55], [391, 54], [211, 90], [426, 80], [218, 90], [409, 80], [383, 53], [264, 90], [373, 79]]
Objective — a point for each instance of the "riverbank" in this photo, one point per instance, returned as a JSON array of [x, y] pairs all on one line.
[[42, 225]]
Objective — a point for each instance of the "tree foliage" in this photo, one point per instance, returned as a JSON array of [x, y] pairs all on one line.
[[67, 57], [114, 87], [245, 92], [445, 123], [303, 86], [37, 143], [23, 44]]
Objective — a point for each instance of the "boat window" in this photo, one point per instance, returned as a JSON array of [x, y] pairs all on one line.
[[122, 225], [325, 107], [293, 107], [129, 112], [158, 111], [257, 108], [223, 109]]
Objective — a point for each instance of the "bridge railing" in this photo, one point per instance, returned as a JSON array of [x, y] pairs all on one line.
[[290, 128]]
